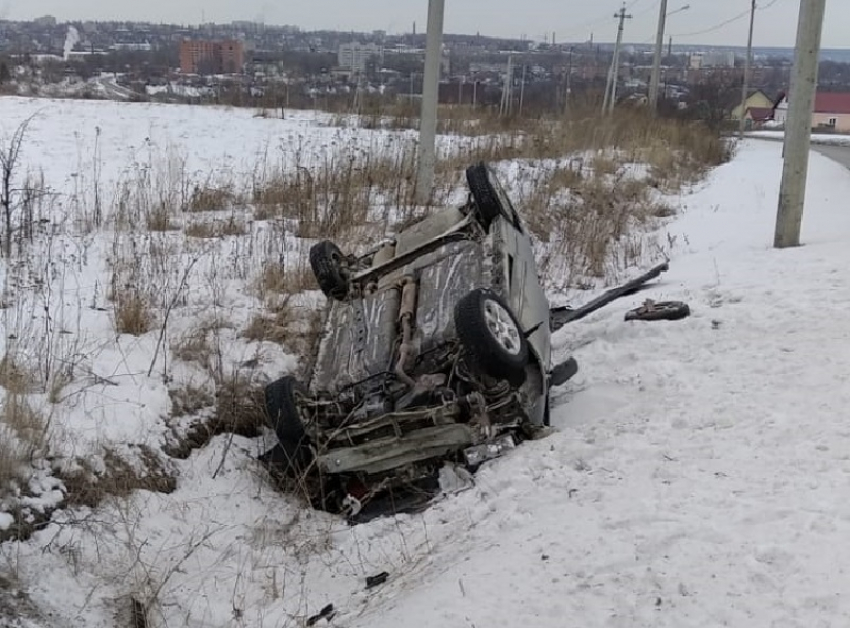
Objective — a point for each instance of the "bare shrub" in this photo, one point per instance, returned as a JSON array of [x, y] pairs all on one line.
[[10, 194]]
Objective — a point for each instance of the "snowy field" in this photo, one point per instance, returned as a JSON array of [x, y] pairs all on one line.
[[693, 481]]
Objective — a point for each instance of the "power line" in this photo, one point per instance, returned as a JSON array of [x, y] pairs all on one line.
[[716, 27], [599, 20], [724, 23], [648, 9]]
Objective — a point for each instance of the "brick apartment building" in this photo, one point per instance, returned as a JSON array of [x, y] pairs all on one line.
[[198, 56]]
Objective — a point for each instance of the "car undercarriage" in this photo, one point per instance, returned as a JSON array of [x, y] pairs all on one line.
[[435, 350]]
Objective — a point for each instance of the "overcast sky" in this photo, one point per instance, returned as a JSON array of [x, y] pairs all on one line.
[[571, 20]]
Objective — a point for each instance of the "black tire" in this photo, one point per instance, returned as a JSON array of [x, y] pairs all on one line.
[[482, 347], [282, 411], [660, 311], [487, 203], [326, 260], [563, 372]]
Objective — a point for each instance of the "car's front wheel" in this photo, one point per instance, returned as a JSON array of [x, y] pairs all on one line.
[[491, 336], [487, 202], [327, 263], [282, 412]]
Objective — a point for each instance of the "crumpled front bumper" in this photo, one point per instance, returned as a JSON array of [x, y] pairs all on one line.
[[385, 454]]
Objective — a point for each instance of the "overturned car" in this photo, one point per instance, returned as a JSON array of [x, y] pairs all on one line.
[[435, 347]]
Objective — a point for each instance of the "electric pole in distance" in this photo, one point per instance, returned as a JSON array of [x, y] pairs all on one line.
[[798, 127], [748, 62], [655, 77], [656, 61], [430, 98], [615, 62]]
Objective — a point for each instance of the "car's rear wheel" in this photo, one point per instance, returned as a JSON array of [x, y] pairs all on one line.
[[487, 202], [282, 411], [491, 336], [328, 264]]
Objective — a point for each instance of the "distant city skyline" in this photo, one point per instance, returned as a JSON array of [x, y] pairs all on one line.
[[718, 22]]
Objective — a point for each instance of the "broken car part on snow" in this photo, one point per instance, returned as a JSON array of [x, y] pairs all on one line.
[[435, 348]]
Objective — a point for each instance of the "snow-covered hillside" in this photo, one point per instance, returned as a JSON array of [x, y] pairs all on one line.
[[693, 481]]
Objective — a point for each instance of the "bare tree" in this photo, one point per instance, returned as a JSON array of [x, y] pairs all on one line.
[[10, 195]]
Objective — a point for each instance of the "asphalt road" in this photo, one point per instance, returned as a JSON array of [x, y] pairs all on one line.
[[841, 154]]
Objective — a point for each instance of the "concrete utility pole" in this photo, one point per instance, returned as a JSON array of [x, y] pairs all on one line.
[[569, 82], [655, 77], [608, 87], [616, 63], [742, 126], [798, 127], [508, 89], [430, 96], [522, 88], [656, 61]]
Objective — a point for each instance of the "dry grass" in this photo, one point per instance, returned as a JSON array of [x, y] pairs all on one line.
[[233, 226], [199, 346], [369, 188], [118, 478], [341, 192], [208, 198], [294, 327], [584, 221], [239, 409], [29, 424], [286, 319], [160, 219], [281, 279], [23, 435], [133, 312], [190, 399], [13, 460], [16, 376]]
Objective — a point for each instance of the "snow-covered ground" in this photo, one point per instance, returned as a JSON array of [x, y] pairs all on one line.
[[694, 479], [817, 138], [697, 476]]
